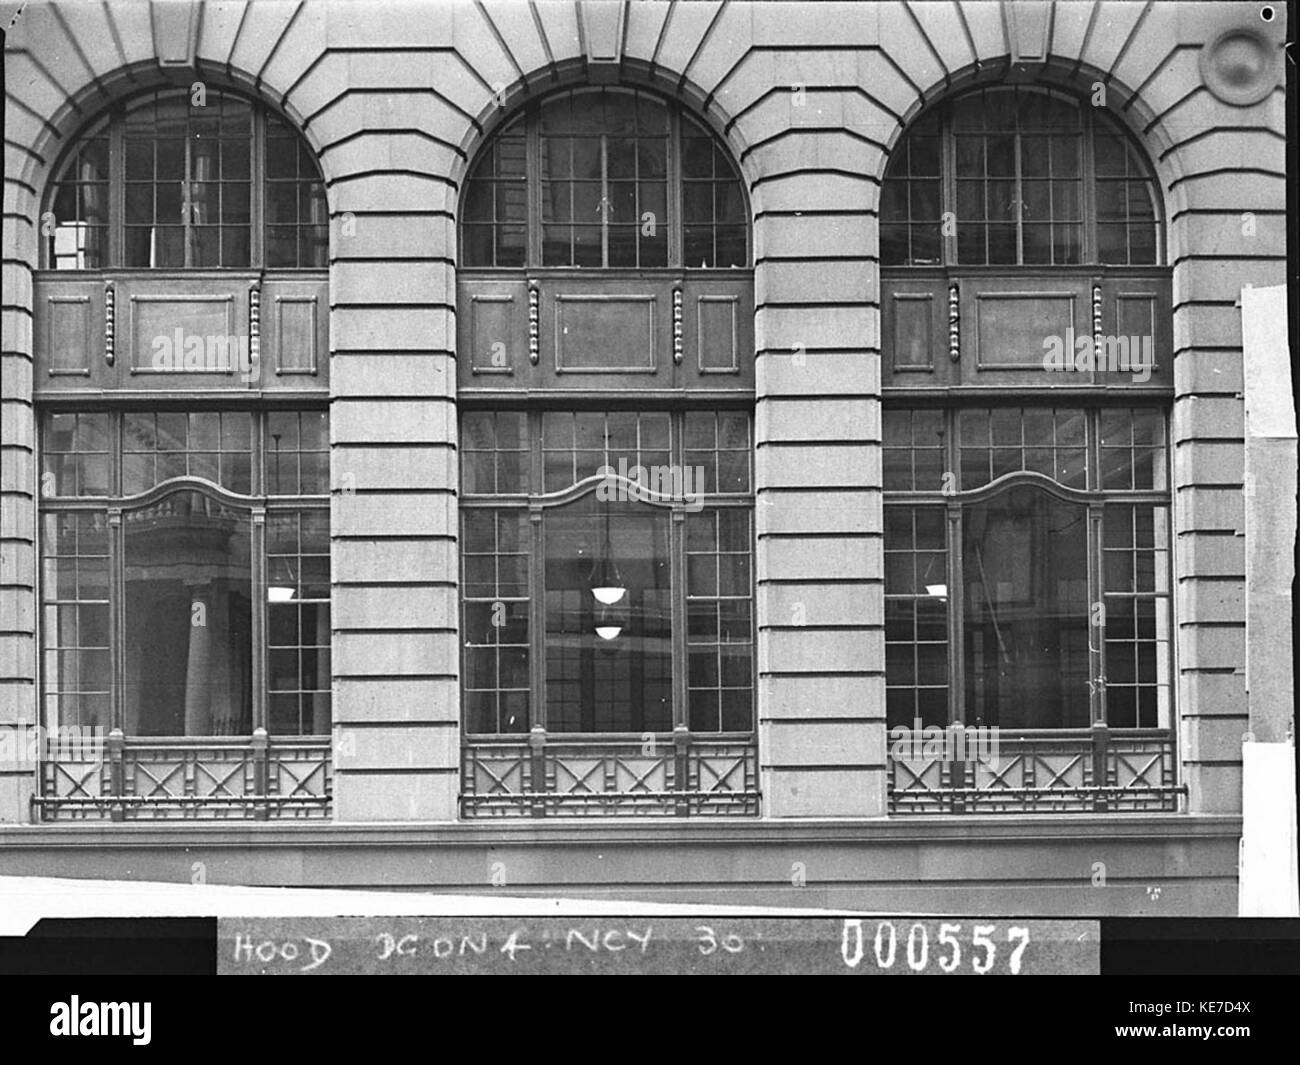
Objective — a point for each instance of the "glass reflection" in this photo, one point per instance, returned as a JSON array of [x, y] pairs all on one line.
[[1025, 560], [188, 619], [608, 666]]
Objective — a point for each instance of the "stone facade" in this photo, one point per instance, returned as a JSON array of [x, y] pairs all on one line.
[[395, 99]]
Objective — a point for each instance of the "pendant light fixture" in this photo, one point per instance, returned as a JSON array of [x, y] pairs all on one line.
[[606, 582], [608, 588]]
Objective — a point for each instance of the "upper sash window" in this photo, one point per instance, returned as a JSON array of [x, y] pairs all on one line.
[[1018, 176], [604, 178], [176, 180]]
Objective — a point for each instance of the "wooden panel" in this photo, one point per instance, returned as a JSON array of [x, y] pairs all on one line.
[[911, 340], [159, 329], [494, 337], [294, 329], [68, 335], [1016, 327], [183, 334], [718, 345], [914, 331], [1135, 314], [1134, 341], [295, 334], [1135, 308], [1011, 328], [604, 333], [606, 330]]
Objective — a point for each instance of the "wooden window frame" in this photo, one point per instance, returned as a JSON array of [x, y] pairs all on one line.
[[1094, 497], [531, 120], [1090, 127], [258, 505], [111, 124], [536, 501]]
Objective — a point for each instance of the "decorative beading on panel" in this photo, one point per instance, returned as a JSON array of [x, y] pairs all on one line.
[[110, 317], [254, 323], [1075, 771], [954, 322], [677, 325], [1096, 319], [534, 323], [190, 781], [674, 776]]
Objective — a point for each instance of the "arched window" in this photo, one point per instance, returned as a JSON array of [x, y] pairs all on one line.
[[182, 379], [1027, 347], [1018, 176], [177, 179], [186, 606], [604, 178], [606, 437]]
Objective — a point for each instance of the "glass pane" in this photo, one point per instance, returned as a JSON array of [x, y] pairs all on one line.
[[1000, 155], [609, 664], [916, 616], [1034, 157], [188, 618], [75, 620], [1025, 564], [923, 156]]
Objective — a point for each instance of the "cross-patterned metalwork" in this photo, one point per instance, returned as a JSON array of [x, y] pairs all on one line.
[[1068, 771], [191, 781], [664, 776]]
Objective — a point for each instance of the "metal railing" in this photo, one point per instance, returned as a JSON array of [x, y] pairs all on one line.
[[245, 779], [1095, 770], [674, 774]]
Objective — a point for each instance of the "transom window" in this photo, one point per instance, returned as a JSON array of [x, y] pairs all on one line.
[[1027, 567], [604, 178], [177, 179], [1017, 176], [186, 572]]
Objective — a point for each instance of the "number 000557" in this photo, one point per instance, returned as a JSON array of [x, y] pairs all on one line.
[[949, 950]]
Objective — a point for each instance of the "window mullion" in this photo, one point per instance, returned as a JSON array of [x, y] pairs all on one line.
[[948, 192], [1096, 616], [956, 598], [677, 580], [1087, 192], [187, 207], [536, 576], [257, 191], [1020, 203], [537, 618], [606, 208], [673, 199], [116, 617], [258, 621], [116, 435], [116, 254], [257, 461], [533, 186], [955, 574]]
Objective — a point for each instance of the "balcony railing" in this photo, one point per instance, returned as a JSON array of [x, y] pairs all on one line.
[[206, 780], [1065, 771], [662, 775]]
